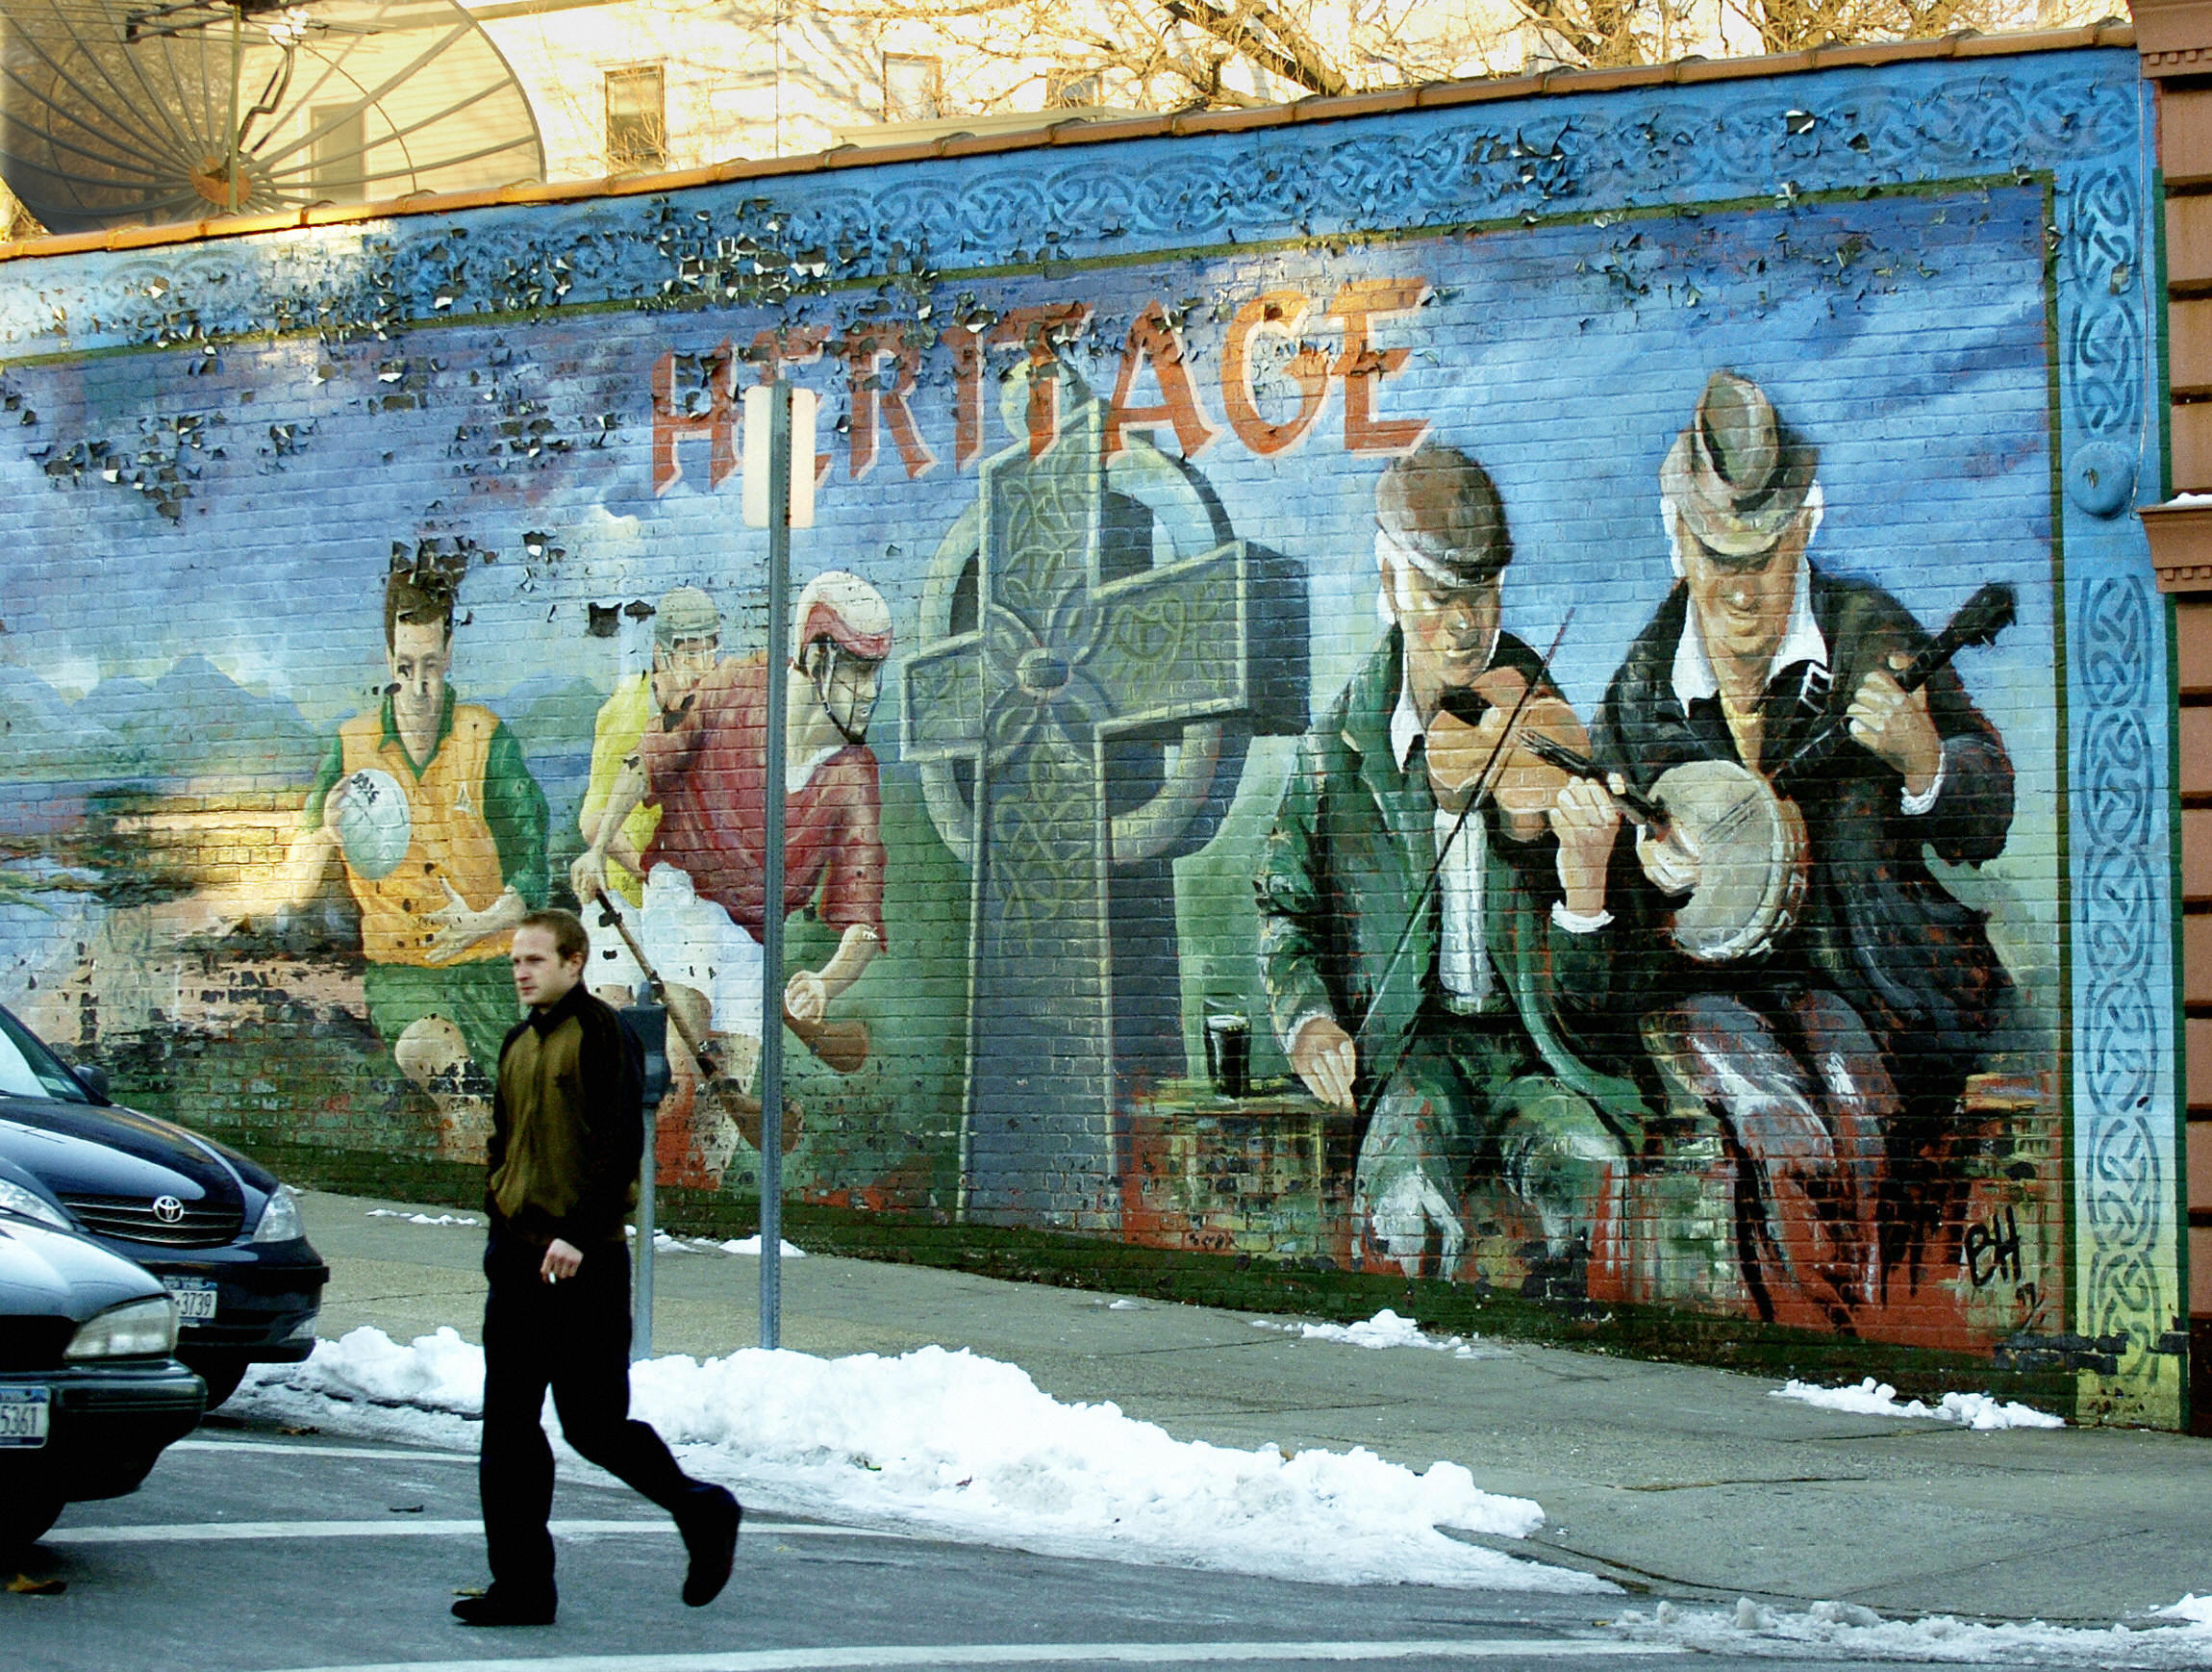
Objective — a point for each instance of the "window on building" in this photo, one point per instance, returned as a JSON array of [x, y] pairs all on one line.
[[338, 153], [636, 118], [912, 89], [1066, 89]]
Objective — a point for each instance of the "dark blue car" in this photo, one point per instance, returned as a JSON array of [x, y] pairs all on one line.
[[218, 1230], [88, 1392]]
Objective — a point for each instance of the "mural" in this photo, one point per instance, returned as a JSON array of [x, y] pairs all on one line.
[[1553, 695]]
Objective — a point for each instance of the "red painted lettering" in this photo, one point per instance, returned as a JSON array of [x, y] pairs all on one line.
[[1154, 342], [1279, 313]]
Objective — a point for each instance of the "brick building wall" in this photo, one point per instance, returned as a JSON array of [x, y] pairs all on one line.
[[2176, 46], [1105, 425]]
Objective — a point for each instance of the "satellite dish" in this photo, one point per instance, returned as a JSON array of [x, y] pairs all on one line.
[[119, 112]]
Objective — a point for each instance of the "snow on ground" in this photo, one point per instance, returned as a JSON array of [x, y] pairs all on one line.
[[1871, 1398], [751, 1245], [1837, 1631], [1385, 1328], [665, 1243], [954, 1445], [422, 1218]]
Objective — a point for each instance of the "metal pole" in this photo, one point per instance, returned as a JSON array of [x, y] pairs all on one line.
[[641, 1307], [649, 1023], [238, 68], [772, 869]]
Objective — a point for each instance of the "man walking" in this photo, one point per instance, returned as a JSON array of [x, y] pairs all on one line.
[[568, 1132]]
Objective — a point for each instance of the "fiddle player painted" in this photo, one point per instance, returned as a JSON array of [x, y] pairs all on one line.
[[1834, 1049], [1454, 1044]]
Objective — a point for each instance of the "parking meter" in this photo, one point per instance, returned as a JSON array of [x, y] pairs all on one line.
[[648, 1025]]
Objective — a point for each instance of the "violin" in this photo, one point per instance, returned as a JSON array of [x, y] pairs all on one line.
[[1470, 756]]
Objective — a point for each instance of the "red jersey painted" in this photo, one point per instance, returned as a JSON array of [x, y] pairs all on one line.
[[705, 773]]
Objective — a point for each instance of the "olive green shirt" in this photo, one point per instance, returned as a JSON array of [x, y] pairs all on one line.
[[567, 1128]]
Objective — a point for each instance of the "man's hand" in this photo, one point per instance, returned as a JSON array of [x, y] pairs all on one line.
[[588, 875], [1587, 824], [460, 927], [562, 1258], [1324, 1057], [806, 996], [1673, 861], [1895, 727]]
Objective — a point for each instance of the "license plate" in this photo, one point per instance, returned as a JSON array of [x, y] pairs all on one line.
[[23, 1416], [195, 1298]]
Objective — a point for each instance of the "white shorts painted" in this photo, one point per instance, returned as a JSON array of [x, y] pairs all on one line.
[[693, 943], [609, 964]]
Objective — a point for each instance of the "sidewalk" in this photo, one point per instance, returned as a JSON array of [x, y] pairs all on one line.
[[1688, 1480]]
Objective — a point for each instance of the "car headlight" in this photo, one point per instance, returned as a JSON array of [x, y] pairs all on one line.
[[32, 1205], [135, 1330], [279, 1219]]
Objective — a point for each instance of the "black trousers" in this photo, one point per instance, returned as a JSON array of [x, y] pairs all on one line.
[[575, 1337]]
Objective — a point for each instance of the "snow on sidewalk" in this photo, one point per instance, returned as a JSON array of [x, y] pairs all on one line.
[[1973, 1410], [1385, 1328], [1830, 1631], [961, 1446]]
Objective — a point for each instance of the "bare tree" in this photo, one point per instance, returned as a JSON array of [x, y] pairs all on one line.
[[1185, 54], [1182, 54]]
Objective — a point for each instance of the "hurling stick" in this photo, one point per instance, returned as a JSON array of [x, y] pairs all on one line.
[[843, 1046]]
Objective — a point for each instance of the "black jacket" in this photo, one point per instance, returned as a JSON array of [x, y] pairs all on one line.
[[602, 1136], [1876, 925]]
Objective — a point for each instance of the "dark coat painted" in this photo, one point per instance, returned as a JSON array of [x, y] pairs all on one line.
[[1877, 926]]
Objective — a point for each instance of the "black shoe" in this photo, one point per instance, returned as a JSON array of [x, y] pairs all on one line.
[[496, 1607], [711, 1534]]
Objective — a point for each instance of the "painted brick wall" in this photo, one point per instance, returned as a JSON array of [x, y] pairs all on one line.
[[1104, 431]]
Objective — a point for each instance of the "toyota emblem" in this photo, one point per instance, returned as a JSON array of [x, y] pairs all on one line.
[[168, 1209]]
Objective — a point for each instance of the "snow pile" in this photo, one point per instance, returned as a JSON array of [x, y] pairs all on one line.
[[1834, 1630], [971, 1448], [441, 1375], [751, 1245], [1385, 1328], [422, 1218], [1973, 1410], [664, 1243]]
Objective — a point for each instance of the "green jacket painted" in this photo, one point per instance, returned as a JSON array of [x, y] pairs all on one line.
[[1345, 867]]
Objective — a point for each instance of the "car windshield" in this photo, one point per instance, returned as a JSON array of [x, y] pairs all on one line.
[[29, 1070]]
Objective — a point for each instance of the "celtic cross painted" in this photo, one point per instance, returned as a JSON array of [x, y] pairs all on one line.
[[1094, 659]]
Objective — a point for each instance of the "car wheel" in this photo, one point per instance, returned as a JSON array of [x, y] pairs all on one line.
[[25, 1521], [222, 1372]]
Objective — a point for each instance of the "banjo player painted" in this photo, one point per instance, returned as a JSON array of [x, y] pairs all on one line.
[[1833, 1047]]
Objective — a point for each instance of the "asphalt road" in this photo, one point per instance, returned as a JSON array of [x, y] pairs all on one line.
[[254, 1551]]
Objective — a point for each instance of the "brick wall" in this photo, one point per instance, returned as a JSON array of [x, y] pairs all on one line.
[[1104, 427]]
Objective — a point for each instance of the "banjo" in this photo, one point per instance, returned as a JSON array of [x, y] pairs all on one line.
[[1749, 835]]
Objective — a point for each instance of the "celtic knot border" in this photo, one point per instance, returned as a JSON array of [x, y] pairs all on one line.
[[2124, 1183]]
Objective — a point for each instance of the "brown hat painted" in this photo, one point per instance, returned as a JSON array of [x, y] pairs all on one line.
[[1738, 473], [1442, 510]]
